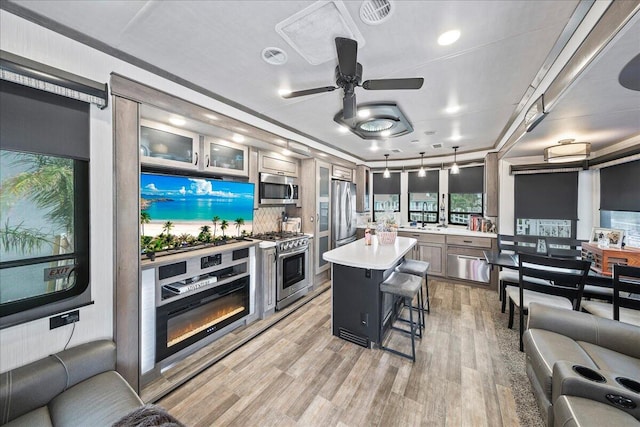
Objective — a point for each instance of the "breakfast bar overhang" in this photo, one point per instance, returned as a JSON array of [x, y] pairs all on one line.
[[357, 271]]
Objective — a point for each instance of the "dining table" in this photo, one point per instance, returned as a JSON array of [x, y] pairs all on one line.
[[595, 279]]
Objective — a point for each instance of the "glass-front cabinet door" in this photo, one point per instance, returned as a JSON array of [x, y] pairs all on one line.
[[164, 145], [323, 209], [225, 157]]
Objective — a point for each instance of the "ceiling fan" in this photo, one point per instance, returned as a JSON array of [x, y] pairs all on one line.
[[349, 76]]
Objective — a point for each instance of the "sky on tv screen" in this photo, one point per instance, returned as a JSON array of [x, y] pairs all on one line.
[[183, 198]]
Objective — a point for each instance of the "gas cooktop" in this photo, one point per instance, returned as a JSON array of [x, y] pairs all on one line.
[[275, 236]]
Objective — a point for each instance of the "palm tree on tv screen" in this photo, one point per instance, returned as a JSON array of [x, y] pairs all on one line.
[[145, 218], [224, 224], [239, 223]]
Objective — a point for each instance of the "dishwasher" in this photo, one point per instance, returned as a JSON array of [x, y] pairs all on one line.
[[468, 267]]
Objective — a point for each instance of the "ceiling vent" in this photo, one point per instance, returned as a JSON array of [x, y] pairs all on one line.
[[312, 31], [274, 56], [439, 145], [396, 150], [374, 12]]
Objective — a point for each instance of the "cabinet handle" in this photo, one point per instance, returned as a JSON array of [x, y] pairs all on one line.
[[196, 163], [468, 241], [415, 235], [207, 157]]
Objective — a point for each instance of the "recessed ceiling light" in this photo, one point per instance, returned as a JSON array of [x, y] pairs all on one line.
[[385, 133], [364, 113], [238, 138], [177, 121], [455, 137], [374, 146], [343, 129], [284, 92], [286, 152], [448, 37], [415, 141], [274, 55], [452, 109]]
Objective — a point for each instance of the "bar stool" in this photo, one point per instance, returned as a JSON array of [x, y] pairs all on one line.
[[406, 286], [418, 268]]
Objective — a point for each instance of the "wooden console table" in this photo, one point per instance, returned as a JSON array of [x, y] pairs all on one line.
[[605, 258]]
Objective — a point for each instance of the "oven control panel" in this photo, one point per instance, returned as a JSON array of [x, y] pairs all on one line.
[[292, 245]]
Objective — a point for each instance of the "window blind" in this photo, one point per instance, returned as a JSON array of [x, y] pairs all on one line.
[[469, 180], [426, 184], [382, 185], [620, 188], [547, 196]]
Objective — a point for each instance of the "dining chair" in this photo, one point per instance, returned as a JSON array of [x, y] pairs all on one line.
[[626, 297], [557, 282]]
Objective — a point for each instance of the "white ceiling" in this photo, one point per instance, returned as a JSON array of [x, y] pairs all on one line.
[[217, 45]]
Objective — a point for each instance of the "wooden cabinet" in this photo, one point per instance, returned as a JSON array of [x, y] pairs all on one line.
[[166, 146], [429, 248], [267, 285], [225, 157], [491, 185], [363, 186], [340, 172], [315, 182], [277, 164], [603, 259]]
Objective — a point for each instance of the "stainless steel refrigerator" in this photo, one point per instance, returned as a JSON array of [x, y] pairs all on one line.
[[343, 213]]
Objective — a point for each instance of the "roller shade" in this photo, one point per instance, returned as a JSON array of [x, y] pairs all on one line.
[[41, 122], [547, 196], [426, 184], [620, 187], [469, 180], [382, 185]]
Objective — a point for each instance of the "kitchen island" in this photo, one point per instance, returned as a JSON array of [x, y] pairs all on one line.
[[357, 271]]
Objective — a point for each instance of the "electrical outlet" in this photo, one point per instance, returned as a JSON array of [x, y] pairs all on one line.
[[64, 319]]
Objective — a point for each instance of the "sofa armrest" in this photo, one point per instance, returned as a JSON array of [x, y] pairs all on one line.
[[89, 359], [611, 334]]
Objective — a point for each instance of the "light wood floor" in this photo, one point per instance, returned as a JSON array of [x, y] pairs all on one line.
[[298, 374]]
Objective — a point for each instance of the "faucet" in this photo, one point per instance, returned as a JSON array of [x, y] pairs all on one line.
[[424, 204]]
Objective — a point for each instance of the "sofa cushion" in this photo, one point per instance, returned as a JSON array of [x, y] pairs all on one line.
[[38, 417], [99, 400], [571, 411], [544, 348], [612, 361]]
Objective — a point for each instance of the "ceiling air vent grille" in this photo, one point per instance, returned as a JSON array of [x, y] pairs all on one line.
[[374, 12], [396, 150], [274, 56], [439, 145]]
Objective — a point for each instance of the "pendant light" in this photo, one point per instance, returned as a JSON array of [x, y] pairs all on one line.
[[455, 169], [386, 173], [422, 172]]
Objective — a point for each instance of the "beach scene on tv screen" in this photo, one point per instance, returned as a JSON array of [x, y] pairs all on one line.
[[191, 202]]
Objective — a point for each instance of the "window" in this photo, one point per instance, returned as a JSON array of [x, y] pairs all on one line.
[[44, 204], [546, 204], [620, 199], [423, 197], [386, 194], [465, 194]]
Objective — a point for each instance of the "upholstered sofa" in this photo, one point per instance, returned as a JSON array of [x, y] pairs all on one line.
[[584, 370], [76, 387]]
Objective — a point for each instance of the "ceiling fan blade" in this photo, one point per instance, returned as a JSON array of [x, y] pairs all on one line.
[[309, 91], [347, 55], [349, 106], [388, 84]]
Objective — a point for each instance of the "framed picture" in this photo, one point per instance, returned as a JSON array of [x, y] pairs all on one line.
[[607, 237]]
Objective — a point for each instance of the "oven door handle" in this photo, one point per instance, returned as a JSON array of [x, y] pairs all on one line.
[[296, 252]]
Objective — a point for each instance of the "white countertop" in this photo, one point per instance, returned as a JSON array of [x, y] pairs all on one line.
[[374, 256], [448, 231]]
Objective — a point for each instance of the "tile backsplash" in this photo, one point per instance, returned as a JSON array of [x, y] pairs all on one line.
[[267, 219]]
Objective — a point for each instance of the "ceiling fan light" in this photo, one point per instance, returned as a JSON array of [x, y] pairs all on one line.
[[567, 151]]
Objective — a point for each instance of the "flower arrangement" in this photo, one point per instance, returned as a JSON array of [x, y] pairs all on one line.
[[387, 230]]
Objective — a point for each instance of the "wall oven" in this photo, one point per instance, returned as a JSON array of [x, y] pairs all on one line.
[[292, 271], [278, 189]]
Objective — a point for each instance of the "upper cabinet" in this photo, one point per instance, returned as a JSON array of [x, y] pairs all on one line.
[[225, 157], [341, 172], [163, 145], [277, 164], [363, 184]]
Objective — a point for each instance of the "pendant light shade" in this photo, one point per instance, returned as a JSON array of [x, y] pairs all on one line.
[[422, 172], [567, 151], [455, 169], [386, 173]]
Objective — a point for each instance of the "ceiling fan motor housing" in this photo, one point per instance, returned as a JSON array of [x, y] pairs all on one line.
[[343, 80]]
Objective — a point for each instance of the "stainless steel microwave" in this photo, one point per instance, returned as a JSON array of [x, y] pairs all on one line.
[[278, 189]]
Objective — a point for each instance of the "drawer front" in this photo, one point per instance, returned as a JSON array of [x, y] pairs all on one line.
[[478, 242], [423, 237]]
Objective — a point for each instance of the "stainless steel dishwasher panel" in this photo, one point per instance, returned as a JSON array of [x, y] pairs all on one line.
[[468, 267]]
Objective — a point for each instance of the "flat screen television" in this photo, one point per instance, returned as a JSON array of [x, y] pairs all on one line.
[[190, 202]]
